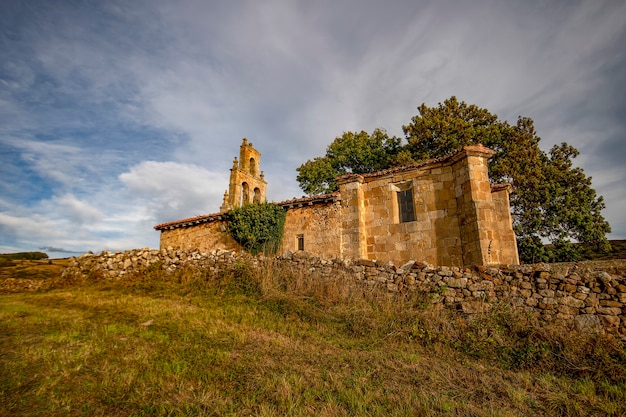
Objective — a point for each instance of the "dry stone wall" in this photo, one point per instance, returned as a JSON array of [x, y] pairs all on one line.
[[589, 296]]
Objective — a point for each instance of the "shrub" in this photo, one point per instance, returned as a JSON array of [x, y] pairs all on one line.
[[257, 227]]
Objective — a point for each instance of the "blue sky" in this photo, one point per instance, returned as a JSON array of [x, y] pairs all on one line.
[[116, 116]]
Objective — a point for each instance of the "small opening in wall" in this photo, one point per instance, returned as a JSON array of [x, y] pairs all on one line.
[[245, 194], [300, 242], [405, 206]]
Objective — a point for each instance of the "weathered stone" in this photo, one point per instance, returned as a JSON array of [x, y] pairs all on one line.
[[574, 278], [571, 302], [605, 277], [563, 309], [474, 307], [611, 303], [445, 272], [546, 293], [570, 288], [610, 321], [587, 323], [455, 282], [481, 286], [582, 289], [531, 302], [609, 311], [492, 271], [407, 266]]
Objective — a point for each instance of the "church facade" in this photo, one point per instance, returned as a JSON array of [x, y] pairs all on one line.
[[443, 211]]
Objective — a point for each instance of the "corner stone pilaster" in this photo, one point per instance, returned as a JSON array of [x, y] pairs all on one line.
[[476, 208], [353, 217]]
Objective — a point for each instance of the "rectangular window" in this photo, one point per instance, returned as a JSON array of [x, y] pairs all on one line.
[[405, 206], [300, 240]]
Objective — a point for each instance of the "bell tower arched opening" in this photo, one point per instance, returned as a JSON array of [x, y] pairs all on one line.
[[247, 182]]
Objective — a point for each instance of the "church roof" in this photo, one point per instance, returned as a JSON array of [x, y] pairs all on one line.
[[192, 221], [295, 202]]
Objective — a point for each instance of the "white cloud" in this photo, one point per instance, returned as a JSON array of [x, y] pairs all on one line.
[[78, 211], [173, 190]]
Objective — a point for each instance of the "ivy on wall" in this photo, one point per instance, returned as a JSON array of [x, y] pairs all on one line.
[[257, 227]]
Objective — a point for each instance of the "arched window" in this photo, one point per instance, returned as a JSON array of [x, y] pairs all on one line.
[[257, 195], [245, 194], [252, 167]]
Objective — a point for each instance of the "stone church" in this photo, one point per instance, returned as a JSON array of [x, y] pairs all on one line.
[[443, 211]]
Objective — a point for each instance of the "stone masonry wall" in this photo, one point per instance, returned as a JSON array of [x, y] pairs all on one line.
[[203, 237], [320, 227], [589, 296], [459, 217]]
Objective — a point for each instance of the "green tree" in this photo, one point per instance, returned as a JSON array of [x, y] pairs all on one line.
[[357, 153], [552, 199]]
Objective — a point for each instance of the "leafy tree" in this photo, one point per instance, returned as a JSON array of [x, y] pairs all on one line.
[[552, 200], [356, 153], [258, 227]]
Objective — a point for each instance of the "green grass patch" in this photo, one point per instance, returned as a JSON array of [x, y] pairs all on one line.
[[274, 341]]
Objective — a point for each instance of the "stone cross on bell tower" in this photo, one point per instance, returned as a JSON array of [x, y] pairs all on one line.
[[247, 182]]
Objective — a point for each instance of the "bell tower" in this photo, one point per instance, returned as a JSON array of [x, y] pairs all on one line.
[[247, 182]]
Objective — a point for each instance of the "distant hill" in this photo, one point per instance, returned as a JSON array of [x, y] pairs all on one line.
[[26, 256]]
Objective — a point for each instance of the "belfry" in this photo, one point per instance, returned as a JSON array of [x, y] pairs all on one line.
[[247, 182]]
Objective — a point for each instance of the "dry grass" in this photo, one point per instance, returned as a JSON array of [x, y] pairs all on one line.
[[278, 342]]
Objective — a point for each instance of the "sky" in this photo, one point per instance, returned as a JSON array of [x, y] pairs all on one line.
[[119, 115]]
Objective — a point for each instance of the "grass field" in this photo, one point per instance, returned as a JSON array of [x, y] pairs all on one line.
[[273, 343]]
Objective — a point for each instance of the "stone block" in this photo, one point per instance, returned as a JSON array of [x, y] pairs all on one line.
[[570, 288], [587, 323], [610, 321], [456, 282], [474, 307], [544, 275], [546, 293], [571, 302], [531, 302], [563, 309], [611, 303], [609, 311], [481, 286], [525, 293]]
